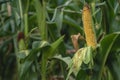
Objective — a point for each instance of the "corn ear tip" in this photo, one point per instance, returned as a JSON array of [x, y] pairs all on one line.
[[86, 6]]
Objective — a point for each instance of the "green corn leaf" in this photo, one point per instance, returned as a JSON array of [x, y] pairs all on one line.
[[73, 24], [59, 19], [40, 44], [106, 47], [67, 60], [88, 55], [47, 53], [22, 54]]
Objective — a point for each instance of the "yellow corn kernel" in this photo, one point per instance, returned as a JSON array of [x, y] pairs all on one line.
[[88, 27]]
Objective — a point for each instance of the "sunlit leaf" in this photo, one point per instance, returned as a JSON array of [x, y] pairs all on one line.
[[88, 55], [22, 54], [40, 44]]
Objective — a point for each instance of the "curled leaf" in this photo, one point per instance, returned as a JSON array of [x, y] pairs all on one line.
[[88, 55], [82, 55]]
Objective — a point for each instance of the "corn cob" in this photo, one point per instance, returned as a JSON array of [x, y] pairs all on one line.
[[88, 27]]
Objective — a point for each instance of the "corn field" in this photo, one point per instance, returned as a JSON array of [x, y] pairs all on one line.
[[59, 39]]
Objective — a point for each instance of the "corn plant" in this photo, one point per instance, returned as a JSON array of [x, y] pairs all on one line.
[[59, 40]]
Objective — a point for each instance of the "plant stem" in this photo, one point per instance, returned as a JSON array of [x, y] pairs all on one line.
[[43, 68], [21, 13], [41, 18], [26, 19], [40, 7]]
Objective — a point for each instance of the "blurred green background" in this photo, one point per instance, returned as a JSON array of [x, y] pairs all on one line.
[[35, 39]]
